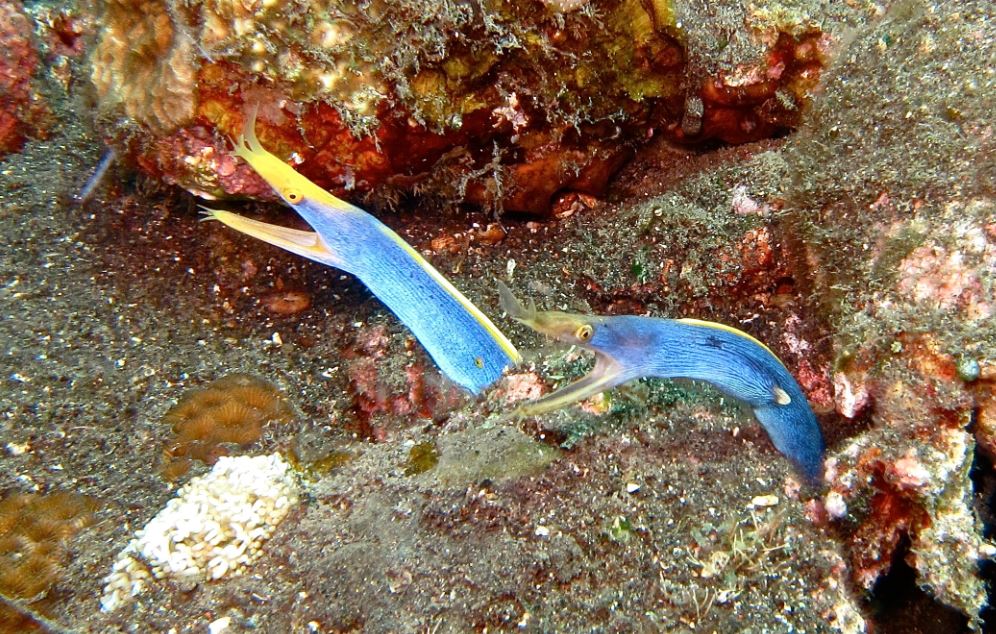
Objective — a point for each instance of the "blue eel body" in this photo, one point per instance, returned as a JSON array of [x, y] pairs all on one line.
[[735, 364], [464, 349], [629, 347], [464, 343]]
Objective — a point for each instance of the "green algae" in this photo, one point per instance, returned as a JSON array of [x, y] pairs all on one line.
[[968, 369], [493, 454], [884, 271], [561, 62], [324, 465], [619, 530], [421, 458]]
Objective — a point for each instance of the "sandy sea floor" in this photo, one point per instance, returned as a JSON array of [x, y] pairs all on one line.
[[662, 508]]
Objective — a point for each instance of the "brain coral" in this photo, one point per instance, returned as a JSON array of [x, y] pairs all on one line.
[[145, 63], [229, 411], [35, 531]]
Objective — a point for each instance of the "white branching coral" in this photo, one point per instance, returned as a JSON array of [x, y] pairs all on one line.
[[215, 526]]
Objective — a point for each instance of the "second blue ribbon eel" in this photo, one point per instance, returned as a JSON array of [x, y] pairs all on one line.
[[628, 347], [463, 342]]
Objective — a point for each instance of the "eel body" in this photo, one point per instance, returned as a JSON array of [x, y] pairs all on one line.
[[629, 347], [463, 342]]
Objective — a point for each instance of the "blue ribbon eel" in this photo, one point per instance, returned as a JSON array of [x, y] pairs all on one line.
[[463, 342], [628, 347]]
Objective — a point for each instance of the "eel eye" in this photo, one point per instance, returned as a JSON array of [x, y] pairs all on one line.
[[584, 332], [479, 362], [292, 195]]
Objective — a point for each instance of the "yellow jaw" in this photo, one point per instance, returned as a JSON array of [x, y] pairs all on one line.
[[473, 354], [564, 327], [291, 186], [304, 243], [605, 375]]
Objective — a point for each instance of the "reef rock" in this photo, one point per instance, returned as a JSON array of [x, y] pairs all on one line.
[[892, 198], [21, 109], [496, 103]]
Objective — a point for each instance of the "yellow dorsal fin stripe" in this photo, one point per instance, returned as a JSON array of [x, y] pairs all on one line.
[[729, 329], [481, 318]]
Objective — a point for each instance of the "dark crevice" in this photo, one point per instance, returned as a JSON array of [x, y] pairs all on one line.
[[983, 475], [897, 605]]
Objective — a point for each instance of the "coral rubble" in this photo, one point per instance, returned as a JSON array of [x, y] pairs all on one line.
[[214, 527], [382, 388], [861, 248]]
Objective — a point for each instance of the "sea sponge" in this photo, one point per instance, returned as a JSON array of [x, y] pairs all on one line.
[[34, 534], [144, 63], [229, 411]]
